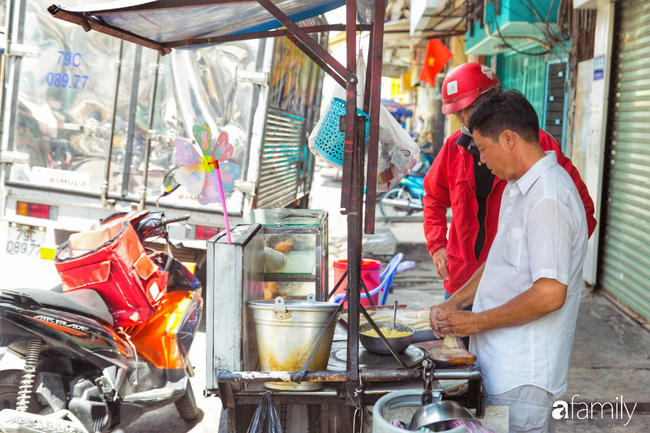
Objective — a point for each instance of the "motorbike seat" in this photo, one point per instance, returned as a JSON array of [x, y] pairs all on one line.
[[84, 302]]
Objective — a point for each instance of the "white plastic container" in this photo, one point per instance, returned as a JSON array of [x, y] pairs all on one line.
[[400, 405]]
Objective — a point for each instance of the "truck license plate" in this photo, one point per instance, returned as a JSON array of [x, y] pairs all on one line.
[[25, 240]]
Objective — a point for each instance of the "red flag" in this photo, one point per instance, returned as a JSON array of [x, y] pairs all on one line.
[[436, 57]]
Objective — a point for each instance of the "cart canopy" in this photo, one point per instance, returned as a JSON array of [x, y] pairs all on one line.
[[156, 23]]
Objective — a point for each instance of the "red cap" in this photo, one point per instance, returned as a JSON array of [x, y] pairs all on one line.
[[464, 84]]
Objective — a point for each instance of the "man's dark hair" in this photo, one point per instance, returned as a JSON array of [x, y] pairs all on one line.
[[503, 110]]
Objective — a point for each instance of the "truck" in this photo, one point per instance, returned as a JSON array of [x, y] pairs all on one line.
[[89, 122]]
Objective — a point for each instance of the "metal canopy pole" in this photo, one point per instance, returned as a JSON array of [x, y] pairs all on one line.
[[375, 65], [352, 188], [350, 114], [352, 196]]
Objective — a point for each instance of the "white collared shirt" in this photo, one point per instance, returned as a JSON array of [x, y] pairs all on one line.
[[542, 234]]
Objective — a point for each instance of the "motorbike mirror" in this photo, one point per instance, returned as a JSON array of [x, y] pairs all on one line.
[[169, 182]]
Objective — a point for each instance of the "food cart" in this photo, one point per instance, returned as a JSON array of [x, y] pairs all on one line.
[[352, 380], [326, 399]]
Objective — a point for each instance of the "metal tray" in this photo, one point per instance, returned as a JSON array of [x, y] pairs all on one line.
[[412, 356]]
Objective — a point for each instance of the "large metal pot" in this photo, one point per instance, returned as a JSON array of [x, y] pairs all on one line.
[[287, 334]]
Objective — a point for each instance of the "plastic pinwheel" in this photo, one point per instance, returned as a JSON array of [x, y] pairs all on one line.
[[207, 175]]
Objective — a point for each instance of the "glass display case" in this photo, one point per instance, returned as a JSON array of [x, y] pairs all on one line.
[[268, 257], [295, 252]]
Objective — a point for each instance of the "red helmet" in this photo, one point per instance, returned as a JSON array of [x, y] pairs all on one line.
[[464, 84]]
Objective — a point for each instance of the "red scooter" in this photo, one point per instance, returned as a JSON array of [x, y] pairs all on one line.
[[98, 353]]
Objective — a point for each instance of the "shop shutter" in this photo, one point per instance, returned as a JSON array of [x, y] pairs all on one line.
[[625, 254], [281, 158]]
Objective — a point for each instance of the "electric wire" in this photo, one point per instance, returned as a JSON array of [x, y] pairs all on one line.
[[554, 40]]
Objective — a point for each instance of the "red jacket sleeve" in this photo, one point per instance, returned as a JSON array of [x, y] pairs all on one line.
[[436, 199], [549, 143]]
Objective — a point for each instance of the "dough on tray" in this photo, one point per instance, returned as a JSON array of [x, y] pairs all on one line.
[[450, 341]]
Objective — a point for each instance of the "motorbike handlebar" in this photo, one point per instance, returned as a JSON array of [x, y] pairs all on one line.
[[176, 219]]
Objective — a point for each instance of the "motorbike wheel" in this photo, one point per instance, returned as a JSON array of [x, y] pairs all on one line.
[[398, 193], [186, 405]]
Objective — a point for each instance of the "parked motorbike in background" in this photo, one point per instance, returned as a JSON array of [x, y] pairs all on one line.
[[70, 363], [405, 198]]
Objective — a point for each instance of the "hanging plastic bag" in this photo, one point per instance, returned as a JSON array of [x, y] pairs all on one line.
[[266, 418], [398, 153]]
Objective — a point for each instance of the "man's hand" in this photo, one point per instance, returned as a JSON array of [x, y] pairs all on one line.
[[457, 323], [439, 258], [434, 313]]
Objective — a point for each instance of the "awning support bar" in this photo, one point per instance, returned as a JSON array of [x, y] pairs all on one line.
[[306, 42], [260, 35]]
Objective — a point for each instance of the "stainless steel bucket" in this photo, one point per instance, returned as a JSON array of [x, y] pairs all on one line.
[[287, 334]]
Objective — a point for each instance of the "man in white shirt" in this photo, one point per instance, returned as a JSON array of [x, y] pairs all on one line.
[[526, 295]]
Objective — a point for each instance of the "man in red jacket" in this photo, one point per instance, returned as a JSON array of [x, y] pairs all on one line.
[[459, 180]]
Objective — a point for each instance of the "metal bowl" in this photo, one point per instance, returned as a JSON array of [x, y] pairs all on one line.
[[376, 345], [438, 413]]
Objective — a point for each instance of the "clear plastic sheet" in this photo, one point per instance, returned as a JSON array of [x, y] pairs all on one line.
[[193, 22], [65, 99]]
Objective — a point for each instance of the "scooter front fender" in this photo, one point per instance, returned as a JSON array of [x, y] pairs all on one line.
[[165, 339]]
